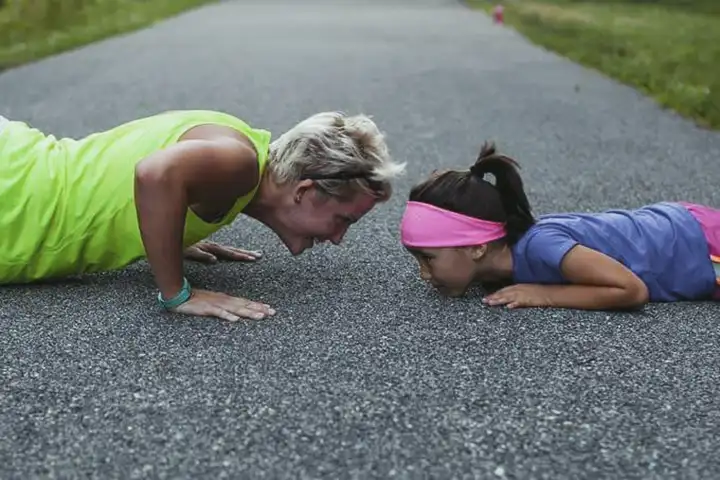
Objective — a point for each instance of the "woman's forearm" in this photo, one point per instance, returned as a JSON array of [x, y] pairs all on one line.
[[161, 206]]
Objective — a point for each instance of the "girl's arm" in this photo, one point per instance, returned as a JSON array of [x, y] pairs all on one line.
[[598, 282]]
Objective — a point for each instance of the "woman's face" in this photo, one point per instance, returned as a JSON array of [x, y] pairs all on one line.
[[315, 218]]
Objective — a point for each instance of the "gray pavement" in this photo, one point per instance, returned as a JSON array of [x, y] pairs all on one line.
[[364, 372]]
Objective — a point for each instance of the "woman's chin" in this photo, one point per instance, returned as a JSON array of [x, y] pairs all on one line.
[[296, 247]]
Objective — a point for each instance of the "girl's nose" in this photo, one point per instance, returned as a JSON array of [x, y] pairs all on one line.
[[425, 273]]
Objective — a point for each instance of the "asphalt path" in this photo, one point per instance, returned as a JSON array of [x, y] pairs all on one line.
[[364, 372]]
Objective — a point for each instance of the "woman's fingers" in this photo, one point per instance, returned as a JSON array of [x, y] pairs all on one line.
[[231, 253], [241, 306], [221, 314], [200, 255], [206, 303]]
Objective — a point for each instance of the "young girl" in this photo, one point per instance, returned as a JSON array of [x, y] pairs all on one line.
[[462, 229]]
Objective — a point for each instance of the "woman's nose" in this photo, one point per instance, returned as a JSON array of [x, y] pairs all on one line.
[[337, 237]]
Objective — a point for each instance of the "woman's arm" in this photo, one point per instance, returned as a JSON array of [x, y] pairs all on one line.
[[167, 182], [598, 282]]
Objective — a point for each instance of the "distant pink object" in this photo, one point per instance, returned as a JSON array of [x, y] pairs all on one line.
[[498, 12]]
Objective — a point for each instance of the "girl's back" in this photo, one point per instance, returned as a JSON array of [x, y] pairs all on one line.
[[663, 244]]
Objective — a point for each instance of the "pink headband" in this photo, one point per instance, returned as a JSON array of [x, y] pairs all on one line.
[[425, 225]]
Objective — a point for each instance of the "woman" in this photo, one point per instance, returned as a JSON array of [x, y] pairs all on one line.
[[155, 187]]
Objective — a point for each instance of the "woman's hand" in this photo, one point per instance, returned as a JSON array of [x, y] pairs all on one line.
[[211, 252], [205, 303], [187, 173]]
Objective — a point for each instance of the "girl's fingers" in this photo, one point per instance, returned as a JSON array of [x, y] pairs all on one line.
[[496, 301]]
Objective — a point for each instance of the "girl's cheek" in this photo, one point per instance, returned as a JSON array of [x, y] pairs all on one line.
[[424, 271]]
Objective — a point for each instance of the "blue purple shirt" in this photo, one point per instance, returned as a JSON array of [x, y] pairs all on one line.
[[662, 243]]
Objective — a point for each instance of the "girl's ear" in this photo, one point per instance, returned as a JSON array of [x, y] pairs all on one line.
[[478, 252]]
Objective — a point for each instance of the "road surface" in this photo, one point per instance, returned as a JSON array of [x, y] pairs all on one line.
[[364, 372]]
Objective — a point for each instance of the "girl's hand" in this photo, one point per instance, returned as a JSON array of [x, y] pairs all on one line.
[[211, 252], [519, 296], [205, 303]]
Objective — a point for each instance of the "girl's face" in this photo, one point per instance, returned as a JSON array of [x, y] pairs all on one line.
[[450, 270]]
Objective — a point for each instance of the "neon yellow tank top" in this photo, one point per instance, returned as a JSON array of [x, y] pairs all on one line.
[[67, 206]]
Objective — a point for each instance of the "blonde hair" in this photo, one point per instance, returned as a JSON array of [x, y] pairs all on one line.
[[343, 154]]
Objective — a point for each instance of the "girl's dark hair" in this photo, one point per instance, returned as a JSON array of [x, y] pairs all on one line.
[[468, 193]]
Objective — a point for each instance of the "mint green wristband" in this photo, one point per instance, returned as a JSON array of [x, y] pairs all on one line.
[[182, 297]]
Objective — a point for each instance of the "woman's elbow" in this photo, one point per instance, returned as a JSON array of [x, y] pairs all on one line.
[[149, 174], [158, 191], [156, 179]]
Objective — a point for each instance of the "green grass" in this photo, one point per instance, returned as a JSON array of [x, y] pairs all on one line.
[[33, 29], [668, 49]]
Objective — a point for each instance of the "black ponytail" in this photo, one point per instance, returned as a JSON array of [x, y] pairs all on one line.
[[469, 193], [509, 185]]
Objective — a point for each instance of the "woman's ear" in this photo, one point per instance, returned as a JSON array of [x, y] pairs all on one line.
[[300, 189], [478, 251]]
